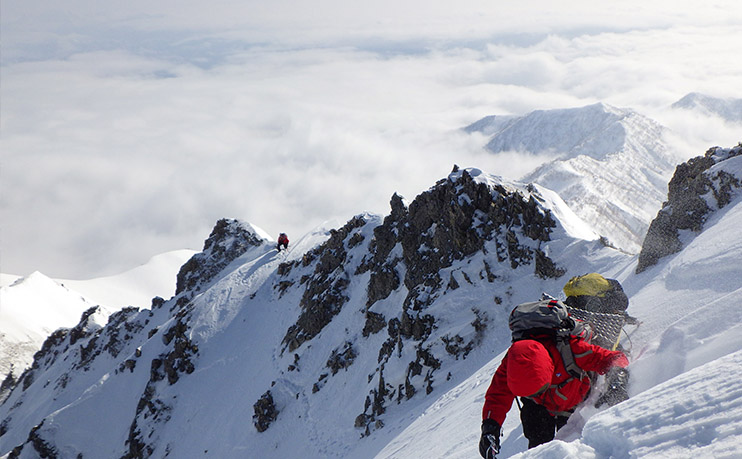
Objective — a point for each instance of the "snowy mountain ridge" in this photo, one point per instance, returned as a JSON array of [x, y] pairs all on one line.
[[27, 319], [595, 130], [379, 338], [33, 307], [610, 165], [685, 363], [727, 109], [372, 305]]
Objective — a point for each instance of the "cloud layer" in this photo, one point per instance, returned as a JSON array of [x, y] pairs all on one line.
[[129, 132]]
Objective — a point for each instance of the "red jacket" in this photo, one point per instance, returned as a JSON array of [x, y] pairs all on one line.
[[589, 357]]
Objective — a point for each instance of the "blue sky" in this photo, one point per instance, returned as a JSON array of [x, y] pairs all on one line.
[[128, 129]]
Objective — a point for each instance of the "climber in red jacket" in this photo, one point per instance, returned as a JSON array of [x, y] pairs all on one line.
[[533, 369], [283, 240]]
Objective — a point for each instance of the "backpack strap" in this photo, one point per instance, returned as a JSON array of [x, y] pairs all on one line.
[[568, 357]]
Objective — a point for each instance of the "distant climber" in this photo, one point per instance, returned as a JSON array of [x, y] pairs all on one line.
[[548, 368], [593, 292], [283, 241]]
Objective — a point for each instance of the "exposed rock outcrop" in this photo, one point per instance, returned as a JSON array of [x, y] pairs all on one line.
[[462, 238], [265, 412], [228, 240], [699, 187], [324, 294], [451, 221]]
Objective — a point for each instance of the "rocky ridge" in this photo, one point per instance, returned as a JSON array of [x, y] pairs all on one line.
[[699, 187], [391, 304], [80, 353], [406, 258]]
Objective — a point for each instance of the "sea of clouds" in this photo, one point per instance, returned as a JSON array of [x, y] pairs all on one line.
[[129, 129]]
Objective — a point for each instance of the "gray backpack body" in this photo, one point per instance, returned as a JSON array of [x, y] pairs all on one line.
[[550, 317]]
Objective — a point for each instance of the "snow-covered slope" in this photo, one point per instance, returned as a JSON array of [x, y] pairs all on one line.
[[137, 286], [685, 371], [611, 166], [727, 109], [326, 348], [379, 339], [31, 308]]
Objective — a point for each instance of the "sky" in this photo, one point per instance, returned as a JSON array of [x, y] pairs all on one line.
[[128, 129]]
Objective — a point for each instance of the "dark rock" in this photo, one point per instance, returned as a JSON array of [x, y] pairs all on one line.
[[416, 326], [283, 286], [686, 207], [81, 329], [324, 294], [341, 359], [265, 412], [228, 240], [355, 240], [546, 268], [157, 303], [361, 420], [453, 284], [43, 448], [382, 283], [450, 222], [374, 323], [7, 385], [455, 346]]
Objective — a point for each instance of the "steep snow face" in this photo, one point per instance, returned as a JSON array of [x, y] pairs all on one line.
[[327, 349], [612, 165], [30, 310], [727, 109]]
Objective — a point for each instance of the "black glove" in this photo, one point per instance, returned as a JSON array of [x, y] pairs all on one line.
[[489, 443], [616, 387]]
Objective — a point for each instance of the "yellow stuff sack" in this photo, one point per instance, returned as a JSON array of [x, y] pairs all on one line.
[[592, 284]]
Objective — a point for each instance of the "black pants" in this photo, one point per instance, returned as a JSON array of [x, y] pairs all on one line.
[[538, 425]]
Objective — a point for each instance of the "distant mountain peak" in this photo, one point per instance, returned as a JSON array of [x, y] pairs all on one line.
[[33, 278], [726, 108], [594, 130], [611, 164]]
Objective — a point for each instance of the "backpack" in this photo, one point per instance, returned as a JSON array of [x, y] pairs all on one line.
[[595, 293], [550, 317], [592, 284]]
